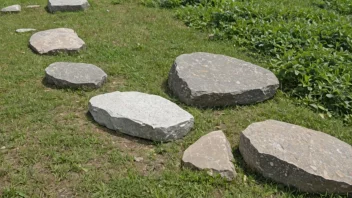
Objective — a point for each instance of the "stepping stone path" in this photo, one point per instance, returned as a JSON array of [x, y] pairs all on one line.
[[142, 115], [212, 152], [11, 9], [67, 5], [309, 160], [25, 30], [56, 40], [208, 80], [75, 75]]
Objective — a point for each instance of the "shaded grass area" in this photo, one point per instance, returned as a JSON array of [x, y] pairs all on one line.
[[50, 146]]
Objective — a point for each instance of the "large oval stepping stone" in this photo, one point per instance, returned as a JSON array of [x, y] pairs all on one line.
[[208, 80], [142, 115], [11, 9], [67, 5], [75, 75], [56, 40], [309, 160], [211, 152]]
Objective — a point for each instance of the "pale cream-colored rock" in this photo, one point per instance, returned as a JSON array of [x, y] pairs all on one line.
[[212, 152], [56, 40], [309, 160], [11, 9]]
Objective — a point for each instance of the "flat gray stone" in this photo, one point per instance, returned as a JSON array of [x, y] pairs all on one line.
[[11, 9], [208, 80], [75, 75], [211, 152], [23, 30], [309, 160], [67, 5], [142, 115], [56, 40]]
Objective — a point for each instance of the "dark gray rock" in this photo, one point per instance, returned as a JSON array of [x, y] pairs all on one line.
[[309, 160], [67, 5], [212, 152], [142, 115], [75, 75], [209, 80], [56, 40], [11, 9]]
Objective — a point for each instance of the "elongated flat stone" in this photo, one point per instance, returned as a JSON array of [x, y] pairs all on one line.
[[56, 40], [75, 75], [67, 5], [11, 9], [33, 6], [23, 30], [142, 115], [309, 160], [208, 80], [212, 152]]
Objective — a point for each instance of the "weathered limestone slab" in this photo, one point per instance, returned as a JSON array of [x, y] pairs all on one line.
[[212, 152], [309, 160], [208, 80], [56, 40], [75, 75], [11, 9], [67, 5], [142, 115]]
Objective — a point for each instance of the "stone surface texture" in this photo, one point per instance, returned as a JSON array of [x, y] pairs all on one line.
[[56, 40], [67, 5], [309, 160], [208, 80], [142, 115], [11, 9], [22, 30], [211, 152], [75, 75]]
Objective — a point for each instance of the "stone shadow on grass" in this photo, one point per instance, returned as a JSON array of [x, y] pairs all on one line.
[[78, 88], [119, 134]]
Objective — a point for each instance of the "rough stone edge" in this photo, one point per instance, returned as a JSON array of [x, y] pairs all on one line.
[[135, 124], [67, 84], [58, 51], [251, 155], [176, 83]]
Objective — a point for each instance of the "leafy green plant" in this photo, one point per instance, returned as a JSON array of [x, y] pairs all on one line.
[[309, 49]]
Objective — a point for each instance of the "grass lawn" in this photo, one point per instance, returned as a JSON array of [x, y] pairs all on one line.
[[51, 147]]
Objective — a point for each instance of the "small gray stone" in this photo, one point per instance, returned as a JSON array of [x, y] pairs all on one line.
[[22, 30], [142, 115], [33, 6], [138, 159], [11, 9], [67, 5], [56, 40], [209, 80], [75, 75], [309, 160], [212, 152]]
